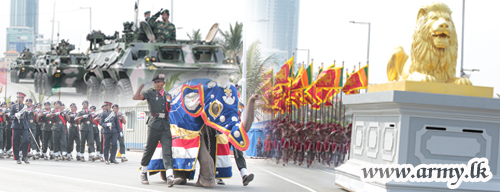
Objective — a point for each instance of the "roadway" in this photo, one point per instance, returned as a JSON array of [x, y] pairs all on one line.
[[49, 175]]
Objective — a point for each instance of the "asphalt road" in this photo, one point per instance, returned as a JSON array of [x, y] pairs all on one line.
[[49, 175]]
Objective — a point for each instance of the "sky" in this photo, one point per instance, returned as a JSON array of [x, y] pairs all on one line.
[[324, 28]]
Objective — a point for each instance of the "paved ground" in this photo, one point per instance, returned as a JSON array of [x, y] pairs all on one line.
[[51, 176]]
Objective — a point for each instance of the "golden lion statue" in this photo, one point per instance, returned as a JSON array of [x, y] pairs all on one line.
[[433, 50]]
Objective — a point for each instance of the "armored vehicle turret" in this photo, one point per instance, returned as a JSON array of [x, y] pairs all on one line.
[[117, 66]]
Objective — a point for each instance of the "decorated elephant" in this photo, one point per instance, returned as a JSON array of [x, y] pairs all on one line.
[[204, 119]]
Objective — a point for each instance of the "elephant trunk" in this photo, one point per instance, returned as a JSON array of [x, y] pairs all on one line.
[[249, 114]]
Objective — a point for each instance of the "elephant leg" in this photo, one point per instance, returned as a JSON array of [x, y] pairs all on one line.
[[207, 167], [181, 175]]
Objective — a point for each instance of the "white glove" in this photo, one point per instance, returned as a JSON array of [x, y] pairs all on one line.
[[109, 124], [58, 113], [4, 109], [18, 115], [121, 134], [85, 116], [72, 115]]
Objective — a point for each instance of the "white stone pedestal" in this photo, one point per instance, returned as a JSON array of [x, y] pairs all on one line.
[[401, 127]]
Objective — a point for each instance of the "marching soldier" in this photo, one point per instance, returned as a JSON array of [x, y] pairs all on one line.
[[31, 122], [97, 136], [158, 128], [8, 134], [86, 131], [20, 126], [59, 119], [38, 135], [74, 133], [46, 127], [3, 119], [110, 131], [63, 49], [121, 120]]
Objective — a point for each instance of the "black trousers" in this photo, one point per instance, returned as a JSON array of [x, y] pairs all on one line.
[[165, 138], [74, 137], [109, 140], [20, 140], [121, 140], [1, 138], [47, 138], [87, 136], [98, 141], [239, 158], [60, 141], [38, 136], [32, 139], [8, 137]]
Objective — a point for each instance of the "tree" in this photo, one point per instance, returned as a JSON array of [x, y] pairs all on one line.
[[196, 35], [233, 41], [256, 67]]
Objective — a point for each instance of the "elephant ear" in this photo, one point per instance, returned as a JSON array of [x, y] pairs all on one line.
[[192, 99], [221, 113]]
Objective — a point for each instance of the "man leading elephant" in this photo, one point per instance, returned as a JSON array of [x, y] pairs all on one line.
[[158, 128]]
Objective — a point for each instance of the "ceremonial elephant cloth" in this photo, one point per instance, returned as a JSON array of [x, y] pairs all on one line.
[[197, 105]]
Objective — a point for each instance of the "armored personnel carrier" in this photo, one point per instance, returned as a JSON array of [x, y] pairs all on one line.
[[22, 69], [117, 66], [54, 71]]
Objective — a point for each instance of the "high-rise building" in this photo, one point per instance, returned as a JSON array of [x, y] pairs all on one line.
[[23, 25], [275, 23]]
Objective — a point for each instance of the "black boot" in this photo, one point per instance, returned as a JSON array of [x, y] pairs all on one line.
[[18, 161], [25, 159], [144, 178]]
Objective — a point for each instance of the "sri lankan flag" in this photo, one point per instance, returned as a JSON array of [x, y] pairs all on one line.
[[285, 73], [303, 80], [356, 81], [331, 78]]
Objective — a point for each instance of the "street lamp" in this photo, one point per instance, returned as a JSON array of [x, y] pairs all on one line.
[[307, 53], [369, 25], [90, 9]]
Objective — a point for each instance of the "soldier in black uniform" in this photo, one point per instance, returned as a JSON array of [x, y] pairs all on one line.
[[86, 131], [110, 131], [97, 135], [31, 122], [58, 128], [38, 135], [20, 126], [3, 119], [158, 128], [8, 132], [74, 133], [46, 127], [121, 139]]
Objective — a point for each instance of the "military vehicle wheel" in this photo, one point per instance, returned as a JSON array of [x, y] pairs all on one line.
[[123, 92], [13, 76], [106, 90], [45, 86], [37, 87], [93, 90]]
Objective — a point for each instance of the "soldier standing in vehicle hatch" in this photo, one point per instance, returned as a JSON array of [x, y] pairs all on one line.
[[163, 30]]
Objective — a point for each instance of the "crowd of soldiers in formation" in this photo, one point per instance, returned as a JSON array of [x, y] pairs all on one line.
[[42, 142], [327, 144]]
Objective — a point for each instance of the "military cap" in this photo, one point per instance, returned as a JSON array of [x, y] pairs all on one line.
[[30, 100], [147, 12], [72, 105], [39, 104], [4, 103], [47, 103], [108, 103], [103, 106], [59, 102], [85, 101], [116, 106], [159, 77], [165, 11], [93, 107], [21, 94]]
